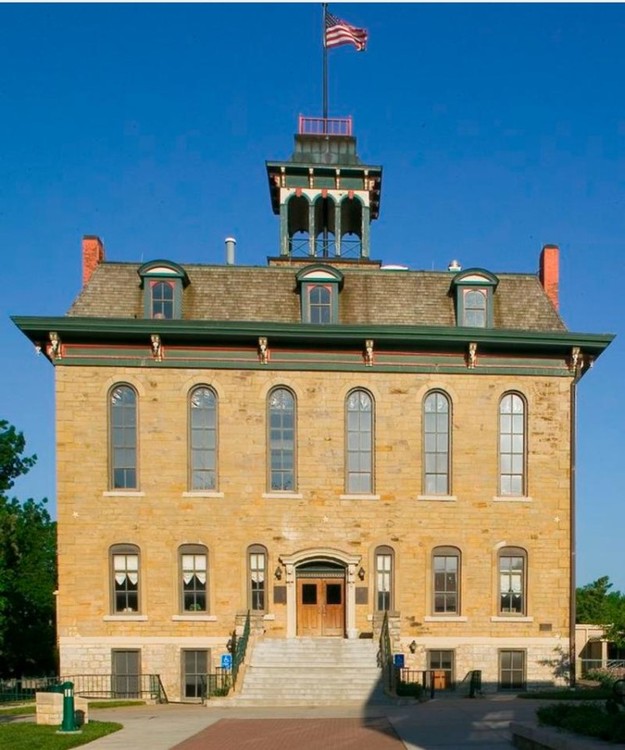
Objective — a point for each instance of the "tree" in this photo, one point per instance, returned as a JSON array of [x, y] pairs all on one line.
[[27, 568], [596, 604]]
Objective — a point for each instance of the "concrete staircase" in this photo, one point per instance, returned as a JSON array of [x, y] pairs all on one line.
[[311, 672]]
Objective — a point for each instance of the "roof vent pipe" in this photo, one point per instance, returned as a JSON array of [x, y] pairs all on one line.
[[454, 266], [230, 244]]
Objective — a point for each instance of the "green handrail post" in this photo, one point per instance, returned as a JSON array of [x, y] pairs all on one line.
[[69, 714]]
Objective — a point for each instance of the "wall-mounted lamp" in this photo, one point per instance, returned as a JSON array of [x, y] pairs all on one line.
[[229, 645], [413, 647], [361, 574], [278, 573]]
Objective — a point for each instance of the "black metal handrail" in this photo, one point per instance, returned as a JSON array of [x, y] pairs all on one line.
[[386, 658], [104, 686], [239, 647], [475, 682]]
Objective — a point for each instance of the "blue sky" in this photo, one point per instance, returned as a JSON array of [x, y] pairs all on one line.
[[500, 127]]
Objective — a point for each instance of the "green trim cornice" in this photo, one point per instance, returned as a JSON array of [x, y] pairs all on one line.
[[204, 332]]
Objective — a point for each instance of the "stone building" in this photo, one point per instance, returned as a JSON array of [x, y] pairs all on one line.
[[317, 440]]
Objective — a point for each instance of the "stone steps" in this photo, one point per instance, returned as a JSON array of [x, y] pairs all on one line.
[[312, 672]]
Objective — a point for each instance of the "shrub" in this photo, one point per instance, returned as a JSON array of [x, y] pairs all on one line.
[[603, 676], [590, 719], [409, 689]]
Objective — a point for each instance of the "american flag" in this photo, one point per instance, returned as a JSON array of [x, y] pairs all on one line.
[[340, 32]]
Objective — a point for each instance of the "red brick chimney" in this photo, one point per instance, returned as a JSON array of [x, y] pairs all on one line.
[[92, 256], [549, 273]]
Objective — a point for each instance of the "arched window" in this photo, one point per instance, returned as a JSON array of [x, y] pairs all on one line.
[[384, 557], [320, 304], [475, 308], [163, 300], [193, 578], [203, 438], [359, 430], [512, 445], [281, 439], [257, 577], [446, 580], [124, 561], [436, 443], [123, 437], [512, 563]]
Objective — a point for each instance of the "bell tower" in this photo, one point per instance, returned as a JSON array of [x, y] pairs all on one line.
[[325, 196]]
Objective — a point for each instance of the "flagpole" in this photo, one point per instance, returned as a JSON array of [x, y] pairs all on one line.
[[325, 68]]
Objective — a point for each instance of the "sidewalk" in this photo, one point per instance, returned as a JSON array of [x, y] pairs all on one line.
[[450, 723]]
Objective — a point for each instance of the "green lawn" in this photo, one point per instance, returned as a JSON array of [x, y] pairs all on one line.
[[26, 736]]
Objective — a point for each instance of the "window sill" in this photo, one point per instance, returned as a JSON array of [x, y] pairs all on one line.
[[123, 493], [445, 618], [282, 495], [194, 618], [512, 499], [363, 496], [439, 498], [203, 493], [125, 618], [512, 618], [269, 617]]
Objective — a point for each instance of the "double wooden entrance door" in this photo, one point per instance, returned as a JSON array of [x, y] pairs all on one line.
[[321, 606]]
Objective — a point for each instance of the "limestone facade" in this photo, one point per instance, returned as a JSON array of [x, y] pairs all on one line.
[[162, 514]]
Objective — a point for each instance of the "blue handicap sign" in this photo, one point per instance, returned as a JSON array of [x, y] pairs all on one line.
[[226, 661], [398, 660]]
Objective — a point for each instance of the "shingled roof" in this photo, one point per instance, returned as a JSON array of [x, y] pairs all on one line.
[[270, 294]]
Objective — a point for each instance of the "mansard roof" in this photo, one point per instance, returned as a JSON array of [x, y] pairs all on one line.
[[370, 296]]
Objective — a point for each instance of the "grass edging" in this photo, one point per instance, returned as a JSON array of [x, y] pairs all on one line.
[[26, 736]]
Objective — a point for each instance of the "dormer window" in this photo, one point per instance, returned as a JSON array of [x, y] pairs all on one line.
[[162, 299], [320, 303], [162, 283], [473, 290], [319, 287]]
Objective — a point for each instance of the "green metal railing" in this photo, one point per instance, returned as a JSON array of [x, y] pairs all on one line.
[[239, 647], [474, 678], [389, 675]]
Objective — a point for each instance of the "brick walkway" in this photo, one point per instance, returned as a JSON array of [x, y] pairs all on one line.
[[303, 734]]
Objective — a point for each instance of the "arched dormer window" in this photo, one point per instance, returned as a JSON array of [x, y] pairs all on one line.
[[319, 287], [162, 282], [473, 292]]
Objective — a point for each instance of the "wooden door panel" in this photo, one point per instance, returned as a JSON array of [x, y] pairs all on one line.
[[309, 604], [334, 608]]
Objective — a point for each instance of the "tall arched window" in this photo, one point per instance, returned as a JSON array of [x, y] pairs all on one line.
[[446, 580], [203, 438], [436, 443], [281, 439], [124, 560], [193, 578], [384, 557], [359, 409], [512, 445], [123, 437], [512, 581], [257, 577]]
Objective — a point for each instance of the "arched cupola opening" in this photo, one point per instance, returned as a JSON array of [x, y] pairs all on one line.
[[298, 225], [325, 227], [351, 227]]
